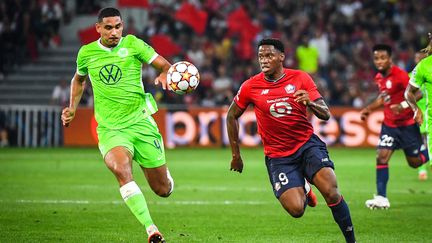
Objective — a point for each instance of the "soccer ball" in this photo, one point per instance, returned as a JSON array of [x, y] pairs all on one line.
[[183, 77]]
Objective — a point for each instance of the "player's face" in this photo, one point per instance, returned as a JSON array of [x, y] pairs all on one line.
[[110, 29], [270, 59], [382, 60]]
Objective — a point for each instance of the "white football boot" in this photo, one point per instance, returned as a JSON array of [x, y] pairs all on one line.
[[378, 202]]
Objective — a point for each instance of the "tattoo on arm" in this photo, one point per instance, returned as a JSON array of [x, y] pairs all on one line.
[[411, 96], [319, 109]]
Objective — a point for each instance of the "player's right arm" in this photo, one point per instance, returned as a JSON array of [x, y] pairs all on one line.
[[162, 66], [77, 89], [417, 79], [410, 97], [146, 54], [378, 102], [234, 112]]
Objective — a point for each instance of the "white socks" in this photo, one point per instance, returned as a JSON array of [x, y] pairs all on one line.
[[129, 189]]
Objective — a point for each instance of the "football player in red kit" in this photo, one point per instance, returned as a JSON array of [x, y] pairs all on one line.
[[399, 130], [293, 153]]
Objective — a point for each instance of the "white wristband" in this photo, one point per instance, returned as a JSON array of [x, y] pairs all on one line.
[[404, 104]]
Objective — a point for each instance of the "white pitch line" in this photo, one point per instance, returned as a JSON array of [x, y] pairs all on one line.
[[167, 203], [198, 202]]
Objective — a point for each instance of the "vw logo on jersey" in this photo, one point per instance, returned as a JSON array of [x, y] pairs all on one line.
[[290, 88], [280, 109], [123, 52], [110, 74]]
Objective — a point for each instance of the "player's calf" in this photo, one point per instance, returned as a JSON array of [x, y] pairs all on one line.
[[342, 216], [165, 189], [162, 190], [160, 180]]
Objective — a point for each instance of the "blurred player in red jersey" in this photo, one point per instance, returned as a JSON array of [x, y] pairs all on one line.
[[399, 130], [292, 151]]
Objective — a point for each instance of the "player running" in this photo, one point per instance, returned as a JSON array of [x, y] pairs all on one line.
[[292, 151], [420, 79], [421, 103], [126, 129], [399, 130]]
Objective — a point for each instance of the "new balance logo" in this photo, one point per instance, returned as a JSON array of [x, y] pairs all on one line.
[[277, 186], [265, 91]]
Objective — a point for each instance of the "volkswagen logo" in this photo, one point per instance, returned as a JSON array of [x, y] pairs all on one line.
[[110, 74]]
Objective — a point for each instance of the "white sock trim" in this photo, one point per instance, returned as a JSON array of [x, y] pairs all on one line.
[[129, 189], [171, 181]]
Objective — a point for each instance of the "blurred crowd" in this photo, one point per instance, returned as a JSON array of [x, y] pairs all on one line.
[[329, 39], [25, 27]]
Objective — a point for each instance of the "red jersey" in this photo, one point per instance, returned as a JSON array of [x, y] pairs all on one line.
[[282, 122], [393, 87]]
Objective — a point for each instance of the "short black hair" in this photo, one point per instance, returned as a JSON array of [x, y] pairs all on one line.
[[382, 47], [273, 42], [108, 12]]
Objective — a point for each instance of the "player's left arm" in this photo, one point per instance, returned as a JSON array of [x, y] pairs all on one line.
[[318, 107], [162, 66]]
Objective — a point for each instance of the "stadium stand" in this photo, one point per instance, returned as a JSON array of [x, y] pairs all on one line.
[[212, 34]]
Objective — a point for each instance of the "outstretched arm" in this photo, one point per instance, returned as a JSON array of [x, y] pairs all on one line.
[[318, 107], [378, 102], [411, 96], [76, 91], [162, 66], [234, 112]]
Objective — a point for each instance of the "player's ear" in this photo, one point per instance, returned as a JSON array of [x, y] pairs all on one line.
[[98, 27], [282, 56]]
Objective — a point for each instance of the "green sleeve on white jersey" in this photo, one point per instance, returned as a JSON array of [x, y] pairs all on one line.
[[82, 63], [146, 53]]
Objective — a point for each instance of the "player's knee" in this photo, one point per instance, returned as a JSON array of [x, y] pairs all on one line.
[[330, 193], [163, 191], [296, 209], [332, 197], [295, 212], [415, 163], [123, 175]]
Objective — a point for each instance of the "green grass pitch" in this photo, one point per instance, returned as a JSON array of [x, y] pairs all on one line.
[[68, 195]]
